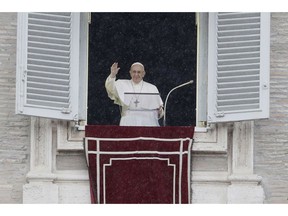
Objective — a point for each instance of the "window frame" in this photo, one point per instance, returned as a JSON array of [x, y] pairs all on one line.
[[75, 134]]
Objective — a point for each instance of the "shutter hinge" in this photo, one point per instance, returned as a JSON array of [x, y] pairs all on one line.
[[79, 125], [24, 75], [66, 110], [265, 86], [219, 114]]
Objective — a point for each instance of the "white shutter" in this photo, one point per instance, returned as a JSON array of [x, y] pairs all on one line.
[[238, 66], [48, 65]]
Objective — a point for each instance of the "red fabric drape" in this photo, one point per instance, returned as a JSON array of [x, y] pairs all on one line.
[[152, 166]]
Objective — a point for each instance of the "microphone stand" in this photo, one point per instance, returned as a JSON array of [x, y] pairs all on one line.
[[184, 84]]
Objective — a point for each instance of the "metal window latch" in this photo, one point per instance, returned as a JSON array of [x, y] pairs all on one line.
[[219, 114], [66, 110], [78, 126]]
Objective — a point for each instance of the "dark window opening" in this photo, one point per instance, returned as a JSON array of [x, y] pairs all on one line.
[[166, 43]]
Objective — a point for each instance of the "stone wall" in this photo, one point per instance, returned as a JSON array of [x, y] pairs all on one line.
[[271, 136], [14, 129]]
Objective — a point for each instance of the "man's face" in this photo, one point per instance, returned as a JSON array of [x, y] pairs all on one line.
[[137, 73]]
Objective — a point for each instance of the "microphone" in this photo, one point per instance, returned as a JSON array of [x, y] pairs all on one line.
[[179, 86]]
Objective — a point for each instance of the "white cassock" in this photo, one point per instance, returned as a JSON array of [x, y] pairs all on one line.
[[135, 111]]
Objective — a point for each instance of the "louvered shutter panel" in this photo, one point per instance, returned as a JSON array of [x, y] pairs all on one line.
[[48, 65], [238, 66]]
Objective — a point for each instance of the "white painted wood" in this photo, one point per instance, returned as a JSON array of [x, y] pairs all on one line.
[[202, 69], [238, 66], [48, 65]]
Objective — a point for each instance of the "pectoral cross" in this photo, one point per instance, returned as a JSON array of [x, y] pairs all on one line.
[[136, 102]]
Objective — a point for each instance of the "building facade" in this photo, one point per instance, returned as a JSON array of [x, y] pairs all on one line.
[[42, 158]]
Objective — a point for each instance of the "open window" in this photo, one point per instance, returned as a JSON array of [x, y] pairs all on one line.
[[52, 66], [166, 43]]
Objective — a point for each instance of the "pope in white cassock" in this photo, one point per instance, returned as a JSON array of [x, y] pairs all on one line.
[[140, 102]]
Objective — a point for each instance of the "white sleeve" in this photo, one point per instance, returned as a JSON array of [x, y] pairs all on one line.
[[111, 89], [110, 85]]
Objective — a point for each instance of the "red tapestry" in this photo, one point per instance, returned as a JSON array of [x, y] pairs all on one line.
[[139, 164]]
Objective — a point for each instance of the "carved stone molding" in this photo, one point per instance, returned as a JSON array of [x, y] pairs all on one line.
[[40, 187], [41, 147], [68, 137], [242, 149], [214, 140], [245, 186]]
